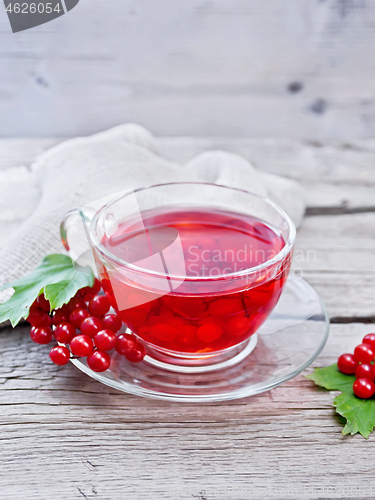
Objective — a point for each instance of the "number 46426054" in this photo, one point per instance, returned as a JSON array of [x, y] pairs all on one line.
[[32, 8]]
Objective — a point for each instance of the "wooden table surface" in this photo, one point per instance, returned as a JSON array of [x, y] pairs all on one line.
[[65, 436]]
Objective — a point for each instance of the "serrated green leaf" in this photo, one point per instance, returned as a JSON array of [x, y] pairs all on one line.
[[56, 276], [332, 379], [359, 413]]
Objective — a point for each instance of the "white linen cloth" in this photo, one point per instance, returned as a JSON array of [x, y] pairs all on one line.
[[33, 202]]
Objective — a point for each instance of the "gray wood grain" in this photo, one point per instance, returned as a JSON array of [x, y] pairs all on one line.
[[338, 176], [301, 69], [63, 435]]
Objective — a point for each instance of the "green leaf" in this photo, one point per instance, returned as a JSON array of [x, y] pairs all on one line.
[[332, 379], [56, 276], [359, 413]]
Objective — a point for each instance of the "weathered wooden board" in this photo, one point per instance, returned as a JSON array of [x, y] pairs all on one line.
[[301, 69], [63, 435], [339, 177], [66, 436]]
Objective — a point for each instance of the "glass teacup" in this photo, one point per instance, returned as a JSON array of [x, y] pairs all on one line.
[[193, 269]]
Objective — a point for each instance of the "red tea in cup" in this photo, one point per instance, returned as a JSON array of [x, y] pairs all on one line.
[[213, 297]]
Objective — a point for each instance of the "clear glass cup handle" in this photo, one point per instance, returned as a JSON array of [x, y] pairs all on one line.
[[74, 232], [64, 228], [75, 229]]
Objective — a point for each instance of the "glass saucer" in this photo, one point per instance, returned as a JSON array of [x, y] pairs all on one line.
[[286, 344]]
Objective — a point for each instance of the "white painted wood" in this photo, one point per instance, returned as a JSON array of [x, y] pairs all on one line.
[[336, 255], [298, 68]]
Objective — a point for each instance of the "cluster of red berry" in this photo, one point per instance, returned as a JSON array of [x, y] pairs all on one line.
[[361, 364], [87, 312]]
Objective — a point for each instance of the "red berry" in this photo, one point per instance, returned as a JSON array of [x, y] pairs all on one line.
[[91, 326], [43, 303], [46, 320], [164, 331], [39, 318], [64, 333], [76, 303], [238, 325], [81, 345], [364, 353], [105, 340], [99, 361], [64, 309], [364, 388], [225, 307], [99, 306], [188, 334], [97, 286], [209, 332], [41, 335], [60, 355], [125, 343], [88, 292], [137, 354], [77, 316], [34, 307], [347, 364], [364, 371], [59, 316], [369, 339], [112, 322]]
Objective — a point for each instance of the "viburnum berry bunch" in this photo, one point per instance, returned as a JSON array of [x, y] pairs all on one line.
[[361, 364], [86, 327]]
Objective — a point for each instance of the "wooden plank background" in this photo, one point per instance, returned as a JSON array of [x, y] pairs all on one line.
[[276, 68], [63, 435]]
